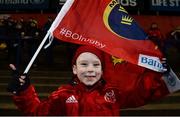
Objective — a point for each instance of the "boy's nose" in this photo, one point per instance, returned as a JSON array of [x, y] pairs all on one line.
[[90, 68]]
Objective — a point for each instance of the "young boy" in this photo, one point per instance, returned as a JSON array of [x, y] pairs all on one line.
[[88, 94]]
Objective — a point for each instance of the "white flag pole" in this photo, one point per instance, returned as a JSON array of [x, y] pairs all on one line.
[[49, 34], [36, 53]]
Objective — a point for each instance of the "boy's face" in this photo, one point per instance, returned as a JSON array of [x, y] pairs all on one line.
[[88, 68]]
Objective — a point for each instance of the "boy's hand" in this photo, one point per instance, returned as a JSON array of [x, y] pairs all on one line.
[[166, 67], [18, 83]]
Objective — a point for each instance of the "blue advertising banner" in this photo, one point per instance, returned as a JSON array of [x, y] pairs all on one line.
[[128, 4], [165, 5], [131, 4], [23, 4]]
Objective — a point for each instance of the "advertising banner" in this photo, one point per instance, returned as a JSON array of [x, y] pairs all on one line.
[[131, 4], [128, 4], [164, 5], [23, 4]]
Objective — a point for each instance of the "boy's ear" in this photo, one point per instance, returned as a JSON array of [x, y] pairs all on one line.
[[74, 68]]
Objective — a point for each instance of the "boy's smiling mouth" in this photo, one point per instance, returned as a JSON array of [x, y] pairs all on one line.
[[90, 76]]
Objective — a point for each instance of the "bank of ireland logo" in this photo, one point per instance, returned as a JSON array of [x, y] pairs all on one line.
[[117, 20]]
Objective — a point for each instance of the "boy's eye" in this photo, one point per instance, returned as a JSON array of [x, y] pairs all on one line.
[[83, 64], [96, 64]]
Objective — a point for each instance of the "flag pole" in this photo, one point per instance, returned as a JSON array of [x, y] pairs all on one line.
[[57, 20], [36, 53]]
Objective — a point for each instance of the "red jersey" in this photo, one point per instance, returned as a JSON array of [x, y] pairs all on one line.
[[101, 99]]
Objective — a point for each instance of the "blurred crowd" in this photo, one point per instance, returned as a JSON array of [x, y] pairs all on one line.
[[20, 37], [168, 43]]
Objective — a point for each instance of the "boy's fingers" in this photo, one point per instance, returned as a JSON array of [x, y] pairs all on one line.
[[21, 81], [22, 77], [164, 58], [12, 67]]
